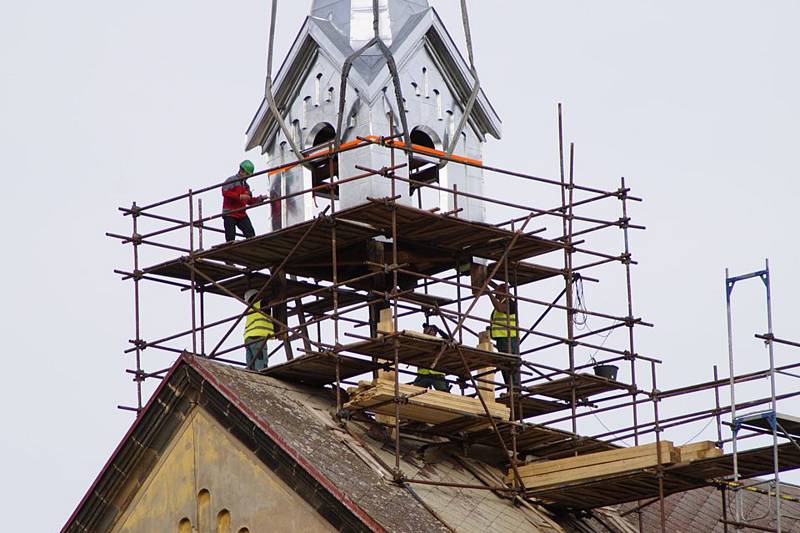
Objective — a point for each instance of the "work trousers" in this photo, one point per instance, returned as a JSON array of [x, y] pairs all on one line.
[[244, 224], [432, 381], [509, 346], [257, 353]]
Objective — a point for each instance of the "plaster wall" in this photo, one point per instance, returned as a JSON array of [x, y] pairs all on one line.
[[208, 482]]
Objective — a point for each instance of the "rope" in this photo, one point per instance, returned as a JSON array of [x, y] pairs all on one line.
[[268, 96], [699, 432], [476, 88]]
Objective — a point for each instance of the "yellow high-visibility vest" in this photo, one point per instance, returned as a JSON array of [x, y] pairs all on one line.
[[428, 372], [257, 325], [503, 325]]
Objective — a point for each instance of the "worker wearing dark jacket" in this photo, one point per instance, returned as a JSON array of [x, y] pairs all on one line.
[[503, 328], [236, 195]]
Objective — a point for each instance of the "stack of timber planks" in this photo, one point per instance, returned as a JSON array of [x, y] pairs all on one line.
[[699, 450], [429, 406], [610, 464]]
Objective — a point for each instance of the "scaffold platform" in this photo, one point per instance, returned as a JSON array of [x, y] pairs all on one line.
[[586, 385], [318, 369], [644, 485], [527, 407], [429, 243], [425, 351]]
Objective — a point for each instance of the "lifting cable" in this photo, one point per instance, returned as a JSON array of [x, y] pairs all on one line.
[[476, 87], [268, 96], [398, 89]]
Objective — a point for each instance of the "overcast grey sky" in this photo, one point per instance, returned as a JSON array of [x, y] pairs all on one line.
[[102, 103]]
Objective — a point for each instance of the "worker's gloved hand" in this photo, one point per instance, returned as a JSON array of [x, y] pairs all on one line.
[[244, 197]]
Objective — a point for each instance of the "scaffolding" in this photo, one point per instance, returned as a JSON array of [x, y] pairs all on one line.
[[328, 278], [347, 288]]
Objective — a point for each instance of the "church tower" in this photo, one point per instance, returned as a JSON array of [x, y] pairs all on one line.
[[435, 82]]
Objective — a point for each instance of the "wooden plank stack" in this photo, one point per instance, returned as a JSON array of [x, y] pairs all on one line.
[[699, 450], [610, 464], [432, 407]]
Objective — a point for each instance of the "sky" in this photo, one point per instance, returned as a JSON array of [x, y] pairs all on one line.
[[105, 103]]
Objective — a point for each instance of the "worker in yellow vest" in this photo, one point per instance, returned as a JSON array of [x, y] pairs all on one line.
[[503, 328], [431, 379], [257, 329]]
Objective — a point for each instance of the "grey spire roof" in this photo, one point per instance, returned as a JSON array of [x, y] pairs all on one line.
[[353, 18]]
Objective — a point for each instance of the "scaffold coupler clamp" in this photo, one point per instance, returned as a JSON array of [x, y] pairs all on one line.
[[398, 476], [655, 395], [344, 416]]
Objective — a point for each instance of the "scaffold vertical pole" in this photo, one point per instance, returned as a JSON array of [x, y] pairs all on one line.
[[765, 277], [718, 415], [394, 303], [202, 292], [630, 324], [193, 280], [135, 239], [567, 239], [737, 496], [660, 459], [335, 291]]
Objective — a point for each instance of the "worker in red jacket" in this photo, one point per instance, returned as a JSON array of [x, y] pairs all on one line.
[[236, 195]]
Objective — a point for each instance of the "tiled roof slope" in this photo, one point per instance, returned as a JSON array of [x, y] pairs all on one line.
[[700, 510], [342, 471], [303, 421], [302, 416]]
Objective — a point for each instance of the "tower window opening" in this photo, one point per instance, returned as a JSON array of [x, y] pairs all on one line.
[[451, 124], [306, 109], [423, 168], [329, 96], [415, 85], [425, 83], [317, 89], [324, 169], [439, 108]]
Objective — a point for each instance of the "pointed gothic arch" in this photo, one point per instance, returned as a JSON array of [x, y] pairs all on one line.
[[425, 169], [323, 170]]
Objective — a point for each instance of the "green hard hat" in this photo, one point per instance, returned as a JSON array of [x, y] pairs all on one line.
[[247, 166]]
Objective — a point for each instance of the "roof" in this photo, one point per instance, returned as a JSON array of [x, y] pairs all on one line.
[[701, 510], [343, 472], [370, 75]]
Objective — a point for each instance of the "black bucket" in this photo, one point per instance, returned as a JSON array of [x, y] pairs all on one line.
[[606, 371]]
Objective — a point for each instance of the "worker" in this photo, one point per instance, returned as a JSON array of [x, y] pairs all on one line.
[[257, 329], [503, 328], [432, 379], [236, 196]]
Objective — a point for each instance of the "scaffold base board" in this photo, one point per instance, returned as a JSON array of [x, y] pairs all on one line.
[[457, 235], [422, 350], [541, 441], [586, 385], [527, 407], [643, 485], [319, 369], [522, 273], [762, 421]]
